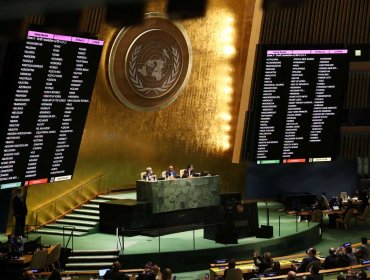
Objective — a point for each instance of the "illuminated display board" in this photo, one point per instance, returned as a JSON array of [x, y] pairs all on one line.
[[44, 115], [297, 102]]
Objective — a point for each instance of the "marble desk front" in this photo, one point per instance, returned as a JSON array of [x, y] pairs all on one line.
[[180, 194]]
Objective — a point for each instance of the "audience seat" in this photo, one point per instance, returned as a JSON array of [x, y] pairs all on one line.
[[39, 259], [53, 257], [346, 220], [313, 263], [142, 175], [363, 217], [234, 274], [317, 216], [181, 172]]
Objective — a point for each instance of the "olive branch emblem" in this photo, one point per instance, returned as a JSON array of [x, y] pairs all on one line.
[[137, 83]]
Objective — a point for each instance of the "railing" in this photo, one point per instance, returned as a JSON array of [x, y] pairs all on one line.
[[288, 219], [161, 233], [70, 236], [68, 202]]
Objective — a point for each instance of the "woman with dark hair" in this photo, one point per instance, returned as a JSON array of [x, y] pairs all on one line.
[[189, 171]]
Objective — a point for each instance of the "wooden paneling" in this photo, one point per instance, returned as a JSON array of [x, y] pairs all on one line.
[[318, 22]]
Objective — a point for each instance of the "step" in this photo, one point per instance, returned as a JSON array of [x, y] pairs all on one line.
[[82, 217], [87, 211], [90, 206], [108, 196], [98, 200], [102, 258], [60, 232], [76, 222], [89, 265], [77, 227], [95, 252]]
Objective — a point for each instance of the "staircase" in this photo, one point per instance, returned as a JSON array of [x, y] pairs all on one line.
[[81, 260], [84, 220]]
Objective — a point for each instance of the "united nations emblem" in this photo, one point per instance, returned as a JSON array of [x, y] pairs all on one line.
[[150, 64]]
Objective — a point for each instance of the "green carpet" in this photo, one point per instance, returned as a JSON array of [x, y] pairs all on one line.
[[187, 240]]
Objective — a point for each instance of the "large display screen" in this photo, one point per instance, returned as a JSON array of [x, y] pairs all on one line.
[[296, 106], [44, 113]]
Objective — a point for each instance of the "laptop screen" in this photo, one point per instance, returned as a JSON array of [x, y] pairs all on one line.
[[335, 207]]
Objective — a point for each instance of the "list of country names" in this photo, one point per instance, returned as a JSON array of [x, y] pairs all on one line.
[[298, 92], [49, 108]]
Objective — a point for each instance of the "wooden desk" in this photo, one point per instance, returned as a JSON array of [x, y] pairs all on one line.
[[248, 267], [26, 259], [323, 271], [309, 212], [353, 201]]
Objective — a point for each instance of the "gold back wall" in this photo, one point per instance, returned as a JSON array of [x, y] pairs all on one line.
[[197, 128]]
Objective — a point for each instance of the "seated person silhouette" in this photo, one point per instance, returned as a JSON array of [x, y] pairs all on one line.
[[149, 176], [171, 173], [189, 171]]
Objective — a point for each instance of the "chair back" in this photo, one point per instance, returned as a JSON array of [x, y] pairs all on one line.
[[344, 196], [38, 260], [182, 171], [54, 254], [366, 212], [313, 263], [348, 216], [316, 216], [142, 175], [163, 174], [234, 274]]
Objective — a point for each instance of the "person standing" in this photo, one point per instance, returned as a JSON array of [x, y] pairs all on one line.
[[20, 212]]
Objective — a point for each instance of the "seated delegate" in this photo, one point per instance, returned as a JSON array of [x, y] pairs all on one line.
[[189, 171], [149, 176], [171, 173]]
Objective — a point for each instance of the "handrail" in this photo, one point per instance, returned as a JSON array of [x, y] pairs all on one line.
[[118, 240], [77, 193], [69, 193], [70, 236]]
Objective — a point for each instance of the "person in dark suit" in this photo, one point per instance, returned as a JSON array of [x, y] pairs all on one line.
[[171, 173], [311, 257], [231, 266], [363, 252], [189, 171], [149, 176], [331, 261], [314, 273], [20, 212], [264, 262], [115, 274]]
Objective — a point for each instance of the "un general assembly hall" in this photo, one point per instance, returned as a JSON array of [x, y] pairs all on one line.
[[185, 139]]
